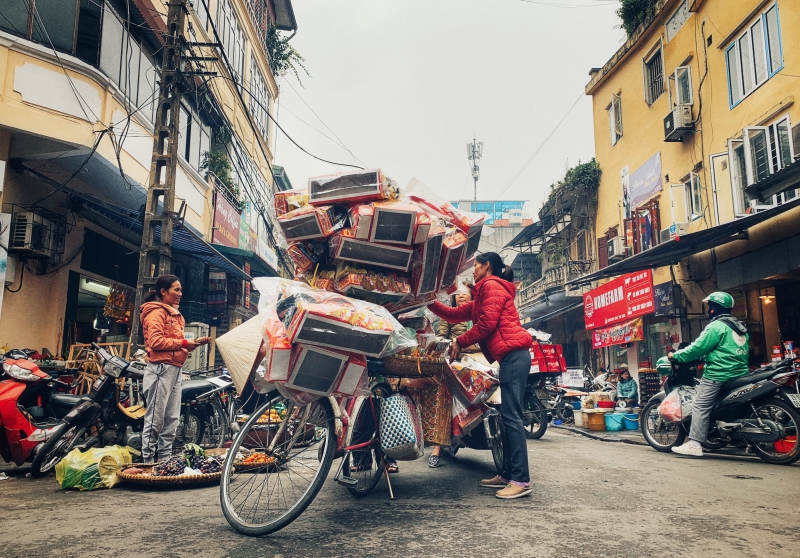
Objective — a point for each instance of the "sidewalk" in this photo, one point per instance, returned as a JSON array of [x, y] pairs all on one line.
[[624, 436]]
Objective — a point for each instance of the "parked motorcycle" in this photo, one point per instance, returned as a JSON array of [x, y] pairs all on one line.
[[26, 415], [566, 395], [207, 411], [105, 416], [758, 411]]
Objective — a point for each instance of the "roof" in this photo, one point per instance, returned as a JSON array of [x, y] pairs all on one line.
[[672, 252], [284, 15], [526, 235], [282, 181]]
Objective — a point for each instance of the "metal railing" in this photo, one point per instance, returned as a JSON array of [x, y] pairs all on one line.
[[552, 278]]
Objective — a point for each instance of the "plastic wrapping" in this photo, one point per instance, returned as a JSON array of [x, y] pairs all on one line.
[[453, 247], [93, 468], [326, 319], [465, 417], [472, 380], [351, 187], [677, 406], [311, 222], [289, 200], [344, 246]]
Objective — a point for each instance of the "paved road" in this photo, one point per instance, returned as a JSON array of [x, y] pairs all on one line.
[[591, 498]]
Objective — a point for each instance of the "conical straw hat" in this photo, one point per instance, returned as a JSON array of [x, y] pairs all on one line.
[[239, 349]]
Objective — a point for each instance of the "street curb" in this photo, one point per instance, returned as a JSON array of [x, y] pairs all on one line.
[[596, 437]]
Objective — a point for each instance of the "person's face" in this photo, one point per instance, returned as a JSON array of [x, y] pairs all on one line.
[[626, 375], [173, 295], [481, 270], [463, 298]]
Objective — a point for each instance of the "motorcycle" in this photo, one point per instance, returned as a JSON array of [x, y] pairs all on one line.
[[757, 412], [207, 411], [107, 415], [566, 395], [26, 415]]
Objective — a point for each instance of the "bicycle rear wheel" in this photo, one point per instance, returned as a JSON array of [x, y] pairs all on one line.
[[363, 465], [259, 499]]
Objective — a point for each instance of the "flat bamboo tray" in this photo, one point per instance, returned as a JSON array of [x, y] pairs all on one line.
[[401, 366], [181, 480]]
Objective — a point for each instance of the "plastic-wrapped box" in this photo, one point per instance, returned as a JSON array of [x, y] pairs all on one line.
[[345, 247], [453, 247], [312, 222], [316, 370], [466, 417], [425, 274], [473, 381], [277, 362], [361, 220], [351, 187], [306, 254], [354, 377], [410, 303], [289, 200], [377, 288], [394, 223]]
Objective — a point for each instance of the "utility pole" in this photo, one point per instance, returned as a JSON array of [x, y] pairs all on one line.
[[155, 256], [474, 154]]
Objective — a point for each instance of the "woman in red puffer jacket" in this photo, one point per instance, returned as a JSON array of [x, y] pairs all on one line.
[[496, 326]]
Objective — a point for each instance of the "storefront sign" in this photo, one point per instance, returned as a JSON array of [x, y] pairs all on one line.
[[246, 302], [573, 377], [646, 181], [226, 223], [663, 296], [626, 332], [623, 298]]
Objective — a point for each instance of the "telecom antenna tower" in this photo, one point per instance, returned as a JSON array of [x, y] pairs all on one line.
[[474, 154]]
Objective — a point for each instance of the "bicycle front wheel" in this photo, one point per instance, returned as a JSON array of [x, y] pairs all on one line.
[[297, 444]]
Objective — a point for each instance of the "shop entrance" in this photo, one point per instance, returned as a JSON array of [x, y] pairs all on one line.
[[86, 318]]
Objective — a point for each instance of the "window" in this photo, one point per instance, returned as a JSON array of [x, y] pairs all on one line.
[[754, 56], [654, 77], [676, 20], [259, 99], [231, 37], [194, 137], [201, 9], [615, 119], [680, 87], [54, 21], [694, 197]]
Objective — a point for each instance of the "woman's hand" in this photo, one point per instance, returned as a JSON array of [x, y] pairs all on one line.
[[455, 351], [192, 344]]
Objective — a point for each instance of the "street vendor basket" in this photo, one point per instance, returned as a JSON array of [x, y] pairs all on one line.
[[147, 478], [403, 366]]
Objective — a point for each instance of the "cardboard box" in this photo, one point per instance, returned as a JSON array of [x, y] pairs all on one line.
[[425, 276], [455, 242], [354, 375], [277, 362], [312, 329], [311, 222], [361, 220], [345, 247], [351, 187], [316, 370], [393, 223]]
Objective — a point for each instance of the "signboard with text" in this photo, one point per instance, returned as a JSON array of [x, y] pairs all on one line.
[[226, 223], [626, 332], [624, 298], [663, 296], [645, 181]]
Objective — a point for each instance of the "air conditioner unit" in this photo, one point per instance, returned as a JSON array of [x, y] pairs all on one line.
[[37, 235], [616, 249], [674, 232], [678, 123]]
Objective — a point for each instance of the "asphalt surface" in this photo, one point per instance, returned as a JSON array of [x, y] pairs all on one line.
[[590, 498]]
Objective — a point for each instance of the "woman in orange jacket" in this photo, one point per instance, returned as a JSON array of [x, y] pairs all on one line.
[[167, 350]]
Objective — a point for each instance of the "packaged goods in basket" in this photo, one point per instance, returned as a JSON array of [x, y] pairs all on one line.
[[435, 403], [472, 380], [466, 417], [289, 200], [344, 246], [312, 222], [401, 428], [351, 187]]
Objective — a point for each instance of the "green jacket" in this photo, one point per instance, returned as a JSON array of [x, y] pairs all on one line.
[[726, 350], [627, 389]]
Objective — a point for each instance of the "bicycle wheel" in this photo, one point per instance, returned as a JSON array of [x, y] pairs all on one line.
[[498, 431], [264, 498], [191, 427], [534, 416], [217, 427], [363, 465]]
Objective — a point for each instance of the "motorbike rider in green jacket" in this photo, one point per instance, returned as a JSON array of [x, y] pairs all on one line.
[[724, 343]]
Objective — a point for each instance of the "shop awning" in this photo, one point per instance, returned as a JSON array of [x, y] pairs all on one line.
[[184, 239], [258, 266], [534, 322], [673, 251]]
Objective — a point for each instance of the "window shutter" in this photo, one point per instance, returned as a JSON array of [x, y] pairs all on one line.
[[655, 220], [796, 140], [602, 252]]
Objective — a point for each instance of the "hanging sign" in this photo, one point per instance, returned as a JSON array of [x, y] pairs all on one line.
[[626, 297], [646, 181], [663, 296], [226, 223], [626, 332]]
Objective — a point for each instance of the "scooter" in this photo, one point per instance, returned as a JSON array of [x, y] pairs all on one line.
[[757, 412], [24, 390], [106, 416]]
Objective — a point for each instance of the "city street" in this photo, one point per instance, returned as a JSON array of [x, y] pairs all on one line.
[[591, 498]]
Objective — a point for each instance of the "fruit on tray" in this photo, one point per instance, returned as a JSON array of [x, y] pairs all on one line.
[[259, 458], [133, 471], [270, 416]]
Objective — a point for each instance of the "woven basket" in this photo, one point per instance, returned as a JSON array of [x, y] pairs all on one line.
[[181, 480], [401, 366]]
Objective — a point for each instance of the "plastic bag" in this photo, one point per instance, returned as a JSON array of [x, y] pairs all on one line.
[[93, 468], [677, 406], [474, 381]]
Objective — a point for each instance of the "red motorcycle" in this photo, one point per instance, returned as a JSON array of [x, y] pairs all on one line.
[[24, 386]]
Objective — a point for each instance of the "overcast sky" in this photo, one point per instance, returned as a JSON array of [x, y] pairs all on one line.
[[405, 84]]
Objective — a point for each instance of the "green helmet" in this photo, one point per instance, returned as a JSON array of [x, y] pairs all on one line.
[[723, 299]]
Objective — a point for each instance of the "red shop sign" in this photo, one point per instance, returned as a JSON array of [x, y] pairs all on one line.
[[624, 298], [226, 223], [627, 332]]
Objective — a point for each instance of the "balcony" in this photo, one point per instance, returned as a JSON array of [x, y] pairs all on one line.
[[552, 283]]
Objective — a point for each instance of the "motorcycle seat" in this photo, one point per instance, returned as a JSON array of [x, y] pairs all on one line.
[[65, 400], [190, 389], [746, 379]]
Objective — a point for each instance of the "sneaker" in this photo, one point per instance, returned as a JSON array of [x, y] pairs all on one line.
[[688, 450], [495, 482], [512, 491], [433, 461]]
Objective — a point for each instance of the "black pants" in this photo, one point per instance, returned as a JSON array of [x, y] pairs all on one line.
[[514, 370]]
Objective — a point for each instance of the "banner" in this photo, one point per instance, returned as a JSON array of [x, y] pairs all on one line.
[[626, 297], [627, 332], [646, 181], [664, 299], [226, 223]]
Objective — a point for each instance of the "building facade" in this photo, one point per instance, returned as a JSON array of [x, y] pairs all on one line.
[[696, 134], [78, 91]]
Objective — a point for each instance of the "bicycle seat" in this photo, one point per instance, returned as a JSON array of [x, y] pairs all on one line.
[[191, 389], [374, 365], [747, 379]]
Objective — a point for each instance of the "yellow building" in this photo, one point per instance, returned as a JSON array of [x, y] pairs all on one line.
[[696, 136], [78, 89]]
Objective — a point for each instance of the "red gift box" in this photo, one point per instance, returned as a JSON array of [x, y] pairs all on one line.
[[351, 187], [472, 384], [344, 246], [310, 222], [455, 242], [425, 274]]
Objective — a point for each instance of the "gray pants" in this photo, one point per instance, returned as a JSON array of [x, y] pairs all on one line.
[[702, 404], [162, 393]]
